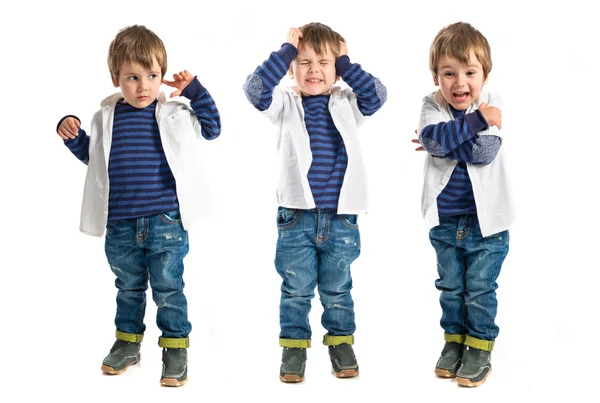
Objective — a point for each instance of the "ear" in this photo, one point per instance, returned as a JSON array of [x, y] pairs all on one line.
[[115, 82], [435, 80], [485, 80], [291, 73]]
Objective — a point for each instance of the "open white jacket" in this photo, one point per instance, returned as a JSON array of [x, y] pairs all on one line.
[[179, 130], [490, 182], [295, 156]]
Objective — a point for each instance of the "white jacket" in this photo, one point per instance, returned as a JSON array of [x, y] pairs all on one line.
[[295, 156], [490, 182], [179, 130]]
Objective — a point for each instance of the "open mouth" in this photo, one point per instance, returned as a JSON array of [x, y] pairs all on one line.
[[314, 80], [460, 96]]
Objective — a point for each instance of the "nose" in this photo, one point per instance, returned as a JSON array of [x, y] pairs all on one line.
[[313, 68], [142, 85]]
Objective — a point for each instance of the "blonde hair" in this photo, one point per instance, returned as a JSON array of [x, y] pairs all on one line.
[[318, 36], [136, 44], [456, 41]]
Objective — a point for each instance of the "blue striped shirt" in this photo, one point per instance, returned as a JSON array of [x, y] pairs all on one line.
[[141, 181], [458, 140], [329, 162]]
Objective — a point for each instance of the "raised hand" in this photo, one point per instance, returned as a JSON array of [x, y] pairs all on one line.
[[180, 81], [69, 128], [343, 48], [293, 36], [491, 114]]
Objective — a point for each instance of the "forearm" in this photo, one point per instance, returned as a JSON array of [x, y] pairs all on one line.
[[443, 138], [205, 109], [458, 140], [371, 94], [259, 85], [79, 146]]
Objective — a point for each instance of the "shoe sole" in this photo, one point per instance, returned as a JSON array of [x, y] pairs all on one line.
[[291, 378], [346, 373], [466, 382], [444, 373], [111, 371], [172, 382]]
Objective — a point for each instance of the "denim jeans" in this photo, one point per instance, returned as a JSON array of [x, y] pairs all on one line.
[[316, 248], [468, 266], [149, 249]]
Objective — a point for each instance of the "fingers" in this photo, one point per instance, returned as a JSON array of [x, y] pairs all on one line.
[[294, 35], [419, 149], [180, 79], [416, 141], [175, 93], [343, 48], [69, 129], [482, 105]]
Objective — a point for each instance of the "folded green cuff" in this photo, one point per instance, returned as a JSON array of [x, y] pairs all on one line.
[[294, 343], [329, 340], [173, 343], [486, 345], [455, 338], [130, 337]]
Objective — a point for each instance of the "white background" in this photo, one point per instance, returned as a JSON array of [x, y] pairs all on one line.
[[57, 289]]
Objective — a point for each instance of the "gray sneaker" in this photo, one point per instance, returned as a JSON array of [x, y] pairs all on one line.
[[449, 361], [122, 355], [343, 361], [475, 368], [293, 362], [174, 370]]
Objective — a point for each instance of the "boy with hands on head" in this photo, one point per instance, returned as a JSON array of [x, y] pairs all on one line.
[[141, 190], [321, 186], [466, 200]]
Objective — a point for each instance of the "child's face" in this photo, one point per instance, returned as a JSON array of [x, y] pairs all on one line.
[[314, 74], [460, 83], [139, 86]]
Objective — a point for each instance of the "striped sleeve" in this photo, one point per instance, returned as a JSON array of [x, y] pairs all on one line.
[[371, 94], [259, 85], [458, 140], [205, 109]]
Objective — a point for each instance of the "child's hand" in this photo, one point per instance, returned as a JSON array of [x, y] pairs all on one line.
[[69, 129], [491, 114], [293, 36], [416, 141], [181, 80], [343, 49]]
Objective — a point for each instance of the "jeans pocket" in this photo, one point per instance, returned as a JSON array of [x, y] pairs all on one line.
[[287, 218], [171, 217], [112, 223], [349, 220]]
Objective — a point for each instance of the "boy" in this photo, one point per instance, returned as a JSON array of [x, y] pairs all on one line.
[[321, 188], [141, 186], [465, 198]]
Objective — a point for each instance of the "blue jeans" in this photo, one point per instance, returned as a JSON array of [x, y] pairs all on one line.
[[468, 266], [149, 249], [316, 247]]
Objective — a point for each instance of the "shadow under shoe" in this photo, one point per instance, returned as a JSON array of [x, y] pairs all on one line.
[[343, 361], [293, 363], [449, 360], [174, 370], [475, 368], [122, 355]]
